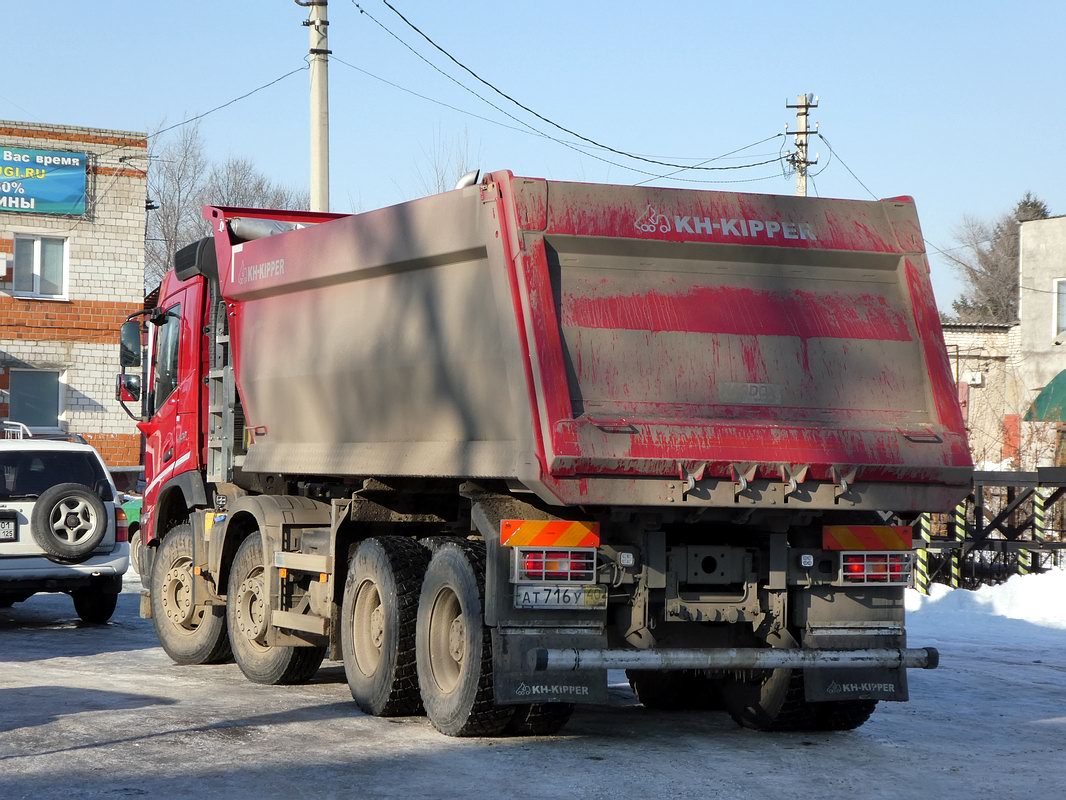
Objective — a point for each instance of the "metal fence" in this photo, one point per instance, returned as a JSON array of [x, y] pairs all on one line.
[[1012, 524]]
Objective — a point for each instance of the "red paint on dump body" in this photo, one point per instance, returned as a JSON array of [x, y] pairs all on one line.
[[927, 320], [744, 312]]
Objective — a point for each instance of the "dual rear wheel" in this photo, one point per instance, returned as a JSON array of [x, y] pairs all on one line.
[[414, 639]]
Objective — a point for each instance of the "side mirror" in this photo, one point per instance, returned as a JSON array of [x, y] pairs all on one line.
[[127, 388], [129, 353]]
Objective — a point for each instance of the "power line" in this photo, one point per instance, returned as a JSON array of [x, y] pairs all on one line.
[[531, 131], [501, 93], [718, 158], [856, 177], [229, 102]]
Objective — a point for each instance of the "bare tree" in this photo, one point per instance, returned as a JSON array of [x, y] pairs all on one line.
[[988, 264], [445, 162], [181, 180], [237, 182], [175, 184]]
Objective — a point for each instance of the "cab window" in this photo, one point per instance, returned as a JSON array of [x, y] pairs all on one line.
[[165, 374]]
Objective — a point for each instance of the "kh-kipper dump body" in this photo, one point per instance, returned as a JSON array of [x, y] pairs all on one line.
[[487, 444]]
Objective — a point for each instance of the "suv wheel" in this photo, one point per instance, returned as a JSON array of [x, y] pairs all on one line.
[[68, 522], [94, 605]]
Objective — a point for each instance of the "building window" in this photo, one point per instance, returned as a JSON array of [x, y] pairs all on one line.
[[1060, 305], [40, 266], [34, 397]]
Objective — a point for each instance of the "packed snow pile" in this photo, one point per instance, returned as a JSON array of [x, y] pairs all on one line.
[[1036, 599]]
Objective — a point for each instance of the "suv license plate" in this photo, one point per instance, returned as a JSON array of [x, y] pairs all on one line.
[[9, 530], [547, 595]]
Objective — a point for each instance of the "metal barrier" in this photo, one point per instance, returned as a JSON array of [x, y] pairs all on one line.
[[1012, 524]]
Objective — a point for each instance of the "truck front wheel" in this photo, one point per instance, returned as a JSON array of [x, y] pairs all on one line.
[[453, 648], [248, 616], [189, 635], [378, 616]]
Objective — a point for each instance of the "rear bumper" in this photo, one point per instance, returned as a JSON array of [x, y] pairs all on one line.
[[39, 574]]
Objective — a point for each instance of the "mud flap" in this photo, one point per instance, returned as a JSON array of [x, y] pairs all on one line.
[[515, 680], [823, 685]]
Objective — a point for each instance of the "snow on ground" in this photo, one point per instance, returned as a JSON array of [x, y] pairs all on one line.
[[102, 712], [1036, 599]]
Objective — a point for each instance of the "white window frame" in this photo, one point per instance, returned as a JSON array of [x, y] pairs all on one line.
[[61, 406], [1055, 333], [36, 237]]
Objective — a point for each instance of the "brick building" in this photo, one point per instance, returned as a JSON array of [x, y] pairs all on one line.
[[72, 217]]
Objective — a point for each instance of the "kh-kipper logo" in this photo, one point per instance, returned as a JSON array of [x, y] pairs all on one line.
[[851, 688], [653, 220], [525, 690]]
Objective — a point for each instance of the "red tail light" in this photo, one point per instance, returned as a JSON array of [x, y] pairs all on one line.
[[549, 565], [122, 526], [881, 567], [577, 565]]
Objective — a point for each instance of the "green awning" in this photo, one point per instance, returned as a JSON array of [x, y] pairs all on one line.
[[1050, 404]]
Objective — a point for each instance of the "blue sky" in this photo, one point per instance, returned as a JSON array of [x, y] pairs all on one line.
[[957, 104]]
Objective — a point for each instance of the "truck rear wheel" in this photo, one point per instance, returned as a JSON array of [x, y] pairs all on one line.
[[248, 616], [453, 647], [189, 635], [773, 700], [378, 617], [674, 690]]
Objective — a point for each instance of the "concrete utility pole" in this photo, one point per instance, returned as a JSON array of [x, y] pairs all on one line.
[[804, 103], [318, 58]]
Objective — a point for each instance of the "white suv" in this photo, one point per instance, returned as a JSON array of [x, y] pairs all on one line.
[[61, 529]]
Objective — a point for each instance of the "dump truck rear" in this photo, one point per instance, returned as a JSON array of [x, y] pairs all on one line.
[[486, 445]]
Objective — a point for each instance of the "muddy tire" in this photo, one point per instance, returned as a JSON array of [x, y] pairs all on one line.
[[94, 606], [540, 719], [453, 647], [188, 635], [674, 690], [136, 543], [68, 522], [248, 620], [773, 700], [378, 617]]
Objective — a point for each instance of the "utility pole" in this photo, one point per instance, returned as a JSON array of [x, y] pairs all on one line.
[[318, 59], [804, 103]]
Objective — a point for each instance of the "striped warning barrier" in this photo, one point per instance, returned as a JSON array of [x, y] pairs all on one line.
[[960, 537], [549, 533], [921, 563]]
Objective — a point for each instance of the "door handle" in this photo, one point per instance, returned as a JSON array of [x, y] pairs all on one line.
[[169, 454]]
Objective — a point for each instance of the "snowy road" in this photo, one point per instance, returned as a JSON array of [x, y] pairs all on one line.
[[103, 713]]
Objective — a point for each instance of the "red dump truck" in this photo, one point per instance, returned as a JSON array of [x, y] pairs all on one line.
[[487, 445]]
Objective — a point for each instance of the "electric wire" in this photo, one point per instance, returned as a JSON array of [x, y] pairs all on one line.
[[572, 146], [501, 93], [850, 172]]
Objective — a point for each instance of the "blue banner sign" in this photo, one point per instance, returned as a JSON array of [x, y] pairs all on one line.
[[42, 181]]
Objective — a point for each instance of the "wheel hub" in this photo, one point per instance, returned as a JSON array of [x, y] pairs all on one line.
[[177, 597], [377, 627], [251, 610], [457, 639]]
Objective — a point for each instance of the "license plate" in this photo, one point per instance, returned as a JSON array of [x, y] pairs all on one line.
[[542, 595], [9, 530]]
